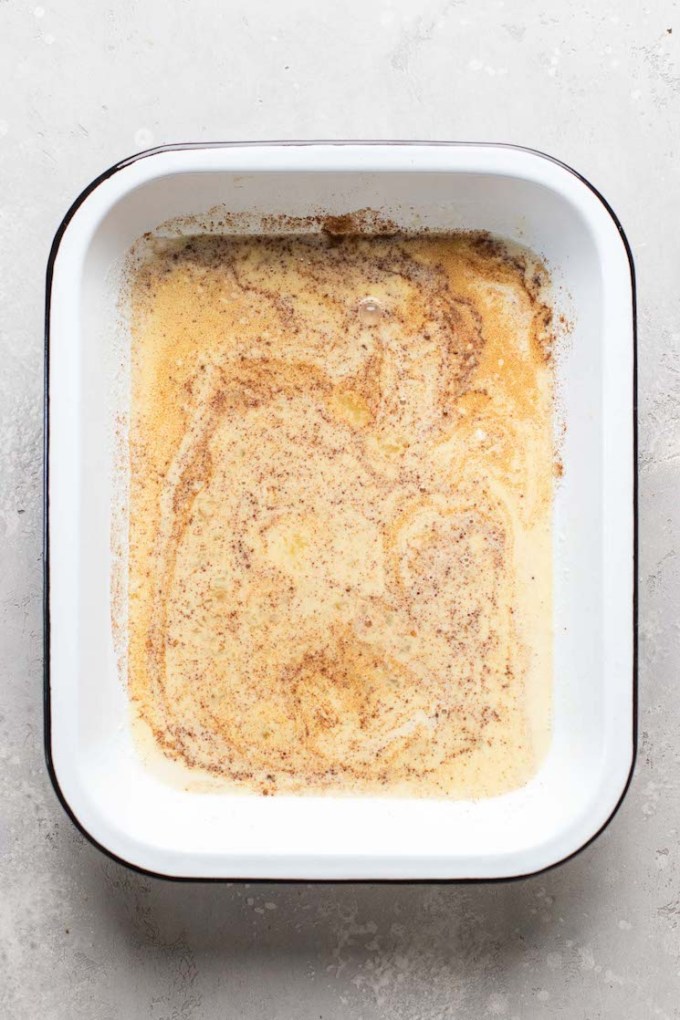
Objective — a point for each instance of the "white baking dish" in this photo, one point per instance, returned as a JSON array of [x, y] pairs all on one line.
[[131, 813]]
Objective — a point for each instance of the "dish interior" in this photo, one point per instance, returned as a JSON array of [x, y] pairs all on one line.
[[341, 475]]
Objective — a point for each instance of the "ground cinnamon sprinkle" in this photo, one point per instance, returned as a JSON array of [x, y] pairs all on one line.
[[341, 463]]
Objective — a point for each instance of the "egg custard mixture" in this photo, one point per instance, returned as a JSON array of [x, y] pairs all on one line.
[[341, 473]]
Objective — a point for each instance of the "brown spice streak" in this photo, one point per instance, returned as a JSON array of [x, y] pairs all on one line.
[[327, 517]]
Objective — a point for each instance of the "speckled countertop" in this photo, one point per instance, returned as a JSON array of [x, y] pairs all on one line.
[[82, 85]]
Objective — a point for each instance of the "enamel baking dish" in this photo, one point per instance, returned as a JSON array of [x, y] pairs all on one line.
[[99, 775]]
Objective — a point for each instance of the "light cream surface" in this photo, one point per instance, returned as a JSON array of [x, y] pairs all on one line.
[[340, 543]]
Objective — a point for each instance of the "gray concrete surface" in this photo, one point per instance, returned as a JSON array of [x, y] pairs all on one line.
[[84, 84]]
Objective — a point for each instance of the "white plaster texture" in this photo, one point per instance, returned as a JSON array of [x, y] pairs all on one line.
[[85, 84]]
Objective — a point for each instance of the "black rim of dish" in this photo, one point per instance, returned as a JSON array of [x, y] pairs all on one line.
[[180, 146]]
